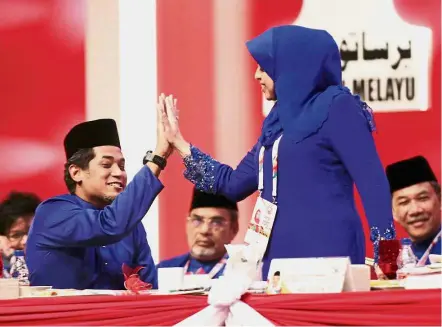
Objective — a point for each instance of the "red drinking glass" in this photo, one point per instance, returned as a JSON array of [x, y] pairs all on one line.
[[388, 253]]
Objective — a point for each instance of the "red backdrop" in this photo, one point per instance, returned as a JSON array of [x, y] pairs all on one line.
[[42, 92], [400, 135]]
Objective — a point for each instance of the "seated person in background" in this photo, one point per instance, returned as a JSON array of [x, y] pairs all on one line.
[[16, 214], [417, 204], [81, 240], [212, 223]]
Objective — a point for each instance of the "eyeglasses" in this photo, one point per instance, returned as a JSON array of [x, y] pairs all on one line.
[[214, 223]]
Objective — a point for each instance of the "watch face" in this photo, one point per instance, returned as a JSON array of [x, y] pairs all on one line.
[[149, 156], [161, 162]]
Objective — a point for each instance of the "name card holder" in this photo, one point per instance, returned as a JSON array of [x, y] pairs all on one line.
[[310, 275]]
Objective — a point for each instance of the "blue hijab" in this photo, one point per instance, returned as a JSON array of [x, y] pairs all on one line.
[[305, 65]]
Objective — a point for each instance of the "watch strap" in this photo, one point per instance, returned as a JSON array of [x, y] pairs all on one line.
[[159, 161]]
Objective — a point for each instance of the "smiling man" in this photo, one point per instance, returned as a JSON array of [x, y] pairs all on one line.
[[212, 223], [81, 240], [416, 197]]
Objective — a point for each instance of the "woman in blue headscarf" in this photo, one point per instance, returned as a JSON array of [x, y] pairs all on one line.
[[322, 137]]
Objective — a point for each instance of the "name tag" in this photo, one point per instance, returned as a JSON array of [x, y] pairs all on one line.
[[260, 225]]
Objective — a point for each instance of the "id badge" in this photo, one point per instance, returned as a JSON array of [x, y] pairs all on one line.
[[260, 225]]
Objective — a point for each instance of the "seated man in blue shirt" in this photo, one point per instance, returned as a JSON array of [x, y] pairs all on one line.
[[212, 223], [416, 197], [81, 240]]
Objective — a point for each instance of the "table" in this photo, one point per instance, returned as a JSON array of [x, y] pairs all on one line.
[[387, 308]]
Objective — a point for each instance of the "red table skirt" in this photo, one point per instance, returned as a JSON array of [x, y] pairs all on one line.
[[388, 308]]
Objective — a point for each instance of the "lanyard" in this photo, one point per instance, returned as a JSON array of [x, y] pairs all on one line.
[[422, 261], [274, 169], [200, 271]]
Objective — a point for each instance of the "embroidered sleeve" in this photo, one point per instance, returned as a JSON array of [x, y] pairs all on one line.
[[368, 113], [366, 109], [377, 235], [201, 170]]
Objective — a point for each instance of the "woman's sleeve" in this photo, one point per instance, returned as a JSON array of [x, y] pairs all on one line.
[[352, 140], [211, 176]]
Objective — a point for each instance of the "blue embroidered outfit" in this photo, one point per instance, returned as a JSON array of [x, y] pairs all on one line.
[[326, 147]]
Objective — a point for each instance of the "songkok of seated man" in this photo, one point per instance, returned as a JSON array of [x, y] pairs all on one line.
[[416, 204], [212, 223]]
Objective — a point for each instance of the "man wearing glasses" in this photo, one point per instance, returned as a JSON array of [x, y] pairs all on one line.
[[212, 223], [16, 213]]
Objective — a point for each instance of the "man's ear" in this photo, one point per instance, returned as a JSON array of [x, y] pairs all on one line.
[[76, 173]]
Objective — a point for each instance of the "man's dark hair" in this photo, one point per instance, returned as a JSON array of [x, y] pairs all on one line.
[[81, 159], [16, 205], [436, 188]]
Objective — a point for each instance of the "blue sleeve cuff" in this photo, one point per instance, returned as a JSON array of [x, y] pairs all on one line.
[[376, 235], [200, 170]]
